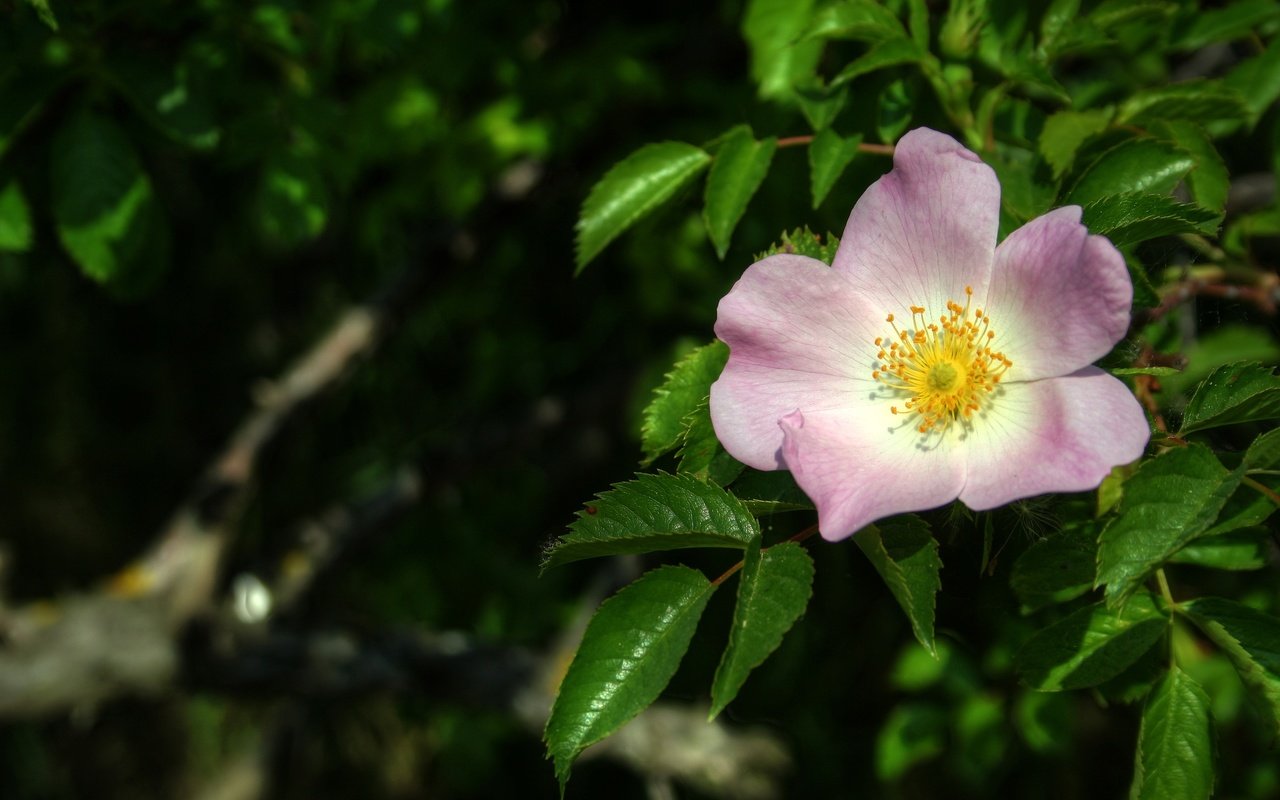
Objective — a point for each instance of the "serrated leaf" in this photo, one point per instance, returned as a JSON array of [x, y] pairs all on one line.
[[1170, 500], [1232, 394], [1091, 645], [889, 53], [1144, 293], [631, 648], [829, 155], [770, 492], [1201, 100], [1235, 20], [632, 188], [1252, 640], [739, 168], [1174, 758], [15, 220], [805, 242], [1235, 550], [1134, 165], [904, 552], [1132, 217], [655, 512], [1264, 452], [855, 20], [1209, 181], [102, 198], [1058, 568], [774, 590], [1065, 131], [779, 61], [685, 386], [702, 455]]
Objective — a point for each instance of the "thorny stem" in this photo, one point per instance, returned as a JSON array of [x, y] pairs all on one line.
[[800, 141], [799, 537]]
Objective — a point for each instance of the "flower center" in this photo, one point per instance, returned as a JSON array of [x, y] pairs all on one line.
[[945, 369]]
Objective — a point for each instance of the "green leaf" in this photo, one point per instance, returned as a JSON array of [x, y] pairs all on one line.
[[1228, 344], [1245, 508], [1236, 20], [1264, 452], [1209, 181], [702, 455], [45, 13], [855, 20], [1114, 13], [889, 53], [628, 654], [1133, 217], [1252, 640], [736, 173], [1235, 550], [779, 61], [1258, 80], [1058, 568], [918, 23], [829, 155], [685, 386], [1134, 165], [1232, 394], [1144, 293], [1091, 645], [775, 588], [15, 220], [102, 199], [633, 188], [904, 552], [655, 512], [914, 732], [293, 202], [1065, 131], [821, 105], [805, 242], [1201, 100], [1170, 500], [770, 492], [894, 109], [1175, 743], [166, 96]]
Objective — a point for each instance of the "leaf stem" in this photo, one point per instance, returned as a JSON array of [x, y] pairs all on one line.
[[800, 141], [1266, 490], [799, 537], [1164, 588]]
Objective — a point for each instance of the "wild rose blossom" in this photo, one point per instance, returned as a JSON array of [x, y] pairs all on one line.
[[927, 364]]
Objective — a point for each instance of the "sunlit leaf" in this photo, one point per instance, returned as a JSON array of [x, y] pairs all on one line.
[[829, 155], [684, 387], [889, 53], [739, 168], [1234, 393], [1134, 165], [1133, 217], [1091, 645], [1175, 743], [904, 552], [779, 59], [1252, 640], [634, 187], [655, 512], [628, 654]]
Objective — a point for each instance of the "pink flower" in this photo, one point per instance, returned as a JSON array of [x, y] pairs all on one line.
[[927, 364]]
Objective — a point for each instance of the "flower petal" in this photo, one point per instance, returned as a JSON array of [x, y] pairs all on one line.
[[924, 231], [799, 338], [857, 466], [1054, 435], [1059, 298]]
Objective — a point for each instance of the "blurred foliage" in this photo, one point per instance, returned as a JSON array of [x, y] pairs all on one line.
[[190, 194]]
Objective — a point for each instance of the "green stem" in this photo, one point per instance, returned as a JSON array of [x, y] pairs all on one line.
[[799, 537], [1164, 588]]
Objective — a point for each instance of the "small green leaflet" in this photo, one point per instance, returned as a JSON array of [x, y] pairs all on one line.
[[805, 242], [1091, 645], [739, 168], [1258, 80], [16, 233], [829, 155], [779, 60], [1170, 500], [1209, 181], [628, 654], [856, 20], [894, 109], [685, 386], [1236, 20], [1233, 393], [1264, 453], [1200, 100], [1134, 165], [633, 188], [1174, 758], [701, 455], [1243, 549], [655, 512], [774, 590], [904, 552], [102, 198], [1252, 640], [889, 53], [1132, 217], [1065, 131], [1058, 568], [821, 105]]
